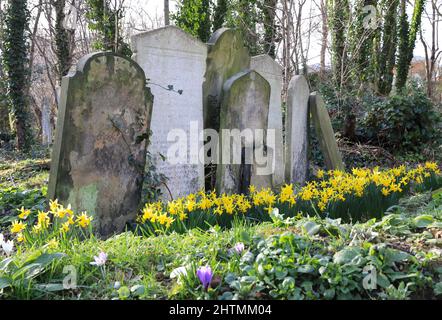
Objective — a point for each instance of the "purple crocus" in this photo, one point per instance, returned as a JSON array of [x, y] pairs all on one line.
[[239, 247], [100, 260], [205, 275]]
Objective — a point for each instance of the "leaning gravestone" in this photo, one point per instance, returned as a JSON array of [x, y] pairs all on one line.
[[172, 57], [99, 153], [296, 169], [272, 72], [227, 56], [245, 109], [324, 131]]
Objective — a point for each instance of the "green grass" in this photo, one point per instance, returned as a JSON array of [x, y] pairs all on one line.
[[298, 258], [26, 174]]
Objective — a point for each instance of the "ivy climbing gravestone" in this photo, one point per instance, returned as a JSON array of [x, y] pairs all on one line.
[[324, 131], [243, 126], [175, 63], [297, 131], [272, 72], [99, 154]]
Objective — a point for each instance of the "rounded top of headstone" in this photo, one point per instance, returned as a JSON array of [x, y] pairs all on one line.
[[218, 34], [298, 82], [244, 75], [226, 34], [166, 33], [266, 63], [84, 63]]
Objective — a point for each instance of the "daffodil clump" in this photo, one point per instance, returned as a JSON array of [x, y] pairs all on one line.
[[361, 193], [58, 224]]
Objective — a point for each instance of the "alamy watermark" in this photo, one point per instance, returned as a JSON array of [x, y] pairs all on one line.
[[227, 147]]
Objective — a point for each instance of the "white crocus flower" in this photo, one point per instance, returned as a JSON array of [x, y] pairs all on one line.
[[178, 272], [8, 246]]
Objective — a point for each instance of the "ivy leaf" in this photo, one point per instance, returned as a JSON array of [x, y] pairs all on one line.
[[438, 289], [423, 221], [346, 255]]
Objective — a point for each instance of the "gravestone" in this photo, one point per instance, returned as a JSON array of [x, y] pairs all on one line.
[[226, 57], [245, 108], [272, 72], [172, 57], [296, 169], [46, 127], [324, 131], [99, 154]]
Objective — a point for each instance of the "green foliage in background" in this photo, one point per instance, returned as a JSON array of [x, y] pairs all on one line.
[[15, 59], [407, 39], [105, 20], [405, 121]]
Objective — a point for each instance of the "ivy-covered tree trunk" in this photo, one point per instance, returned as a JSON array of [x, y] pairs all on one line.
[[386, 58], [247, 16], [339, 15], [407, 40], [62, 40], [269, 14], [4, 110], [194, 17], [105, 20], [220, 14], [15, 62], [362, 42], [205, 27]]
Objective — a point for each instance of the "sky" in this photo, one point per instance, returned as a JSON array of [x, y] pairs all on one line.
[[154, 9]]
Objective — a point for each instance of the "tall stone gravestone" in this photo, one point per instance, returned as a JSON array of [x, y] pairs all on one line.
[[324, 131], [245, 108], [227, 56], [296, 169], [99, 154], [272, 72], [172, 57]]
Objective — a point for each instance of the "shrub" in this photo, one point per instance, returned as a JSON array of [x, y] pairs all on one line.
[[405, 121]]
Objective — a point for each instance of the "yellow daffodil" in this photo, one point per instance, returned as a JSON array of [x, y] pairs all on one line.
[[84, 220], [17, 227], [20, 237], [52, 244], [24, 214], [43, 219], [53, 205], [65, 227]]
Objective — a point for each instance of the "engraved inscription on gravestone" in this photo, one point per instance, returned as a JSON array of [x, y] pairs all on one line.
[[171, 57]]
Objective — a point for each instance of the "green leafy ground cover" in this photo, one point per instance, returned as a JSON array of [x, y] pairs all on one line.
[[297, 258], [398, 256]]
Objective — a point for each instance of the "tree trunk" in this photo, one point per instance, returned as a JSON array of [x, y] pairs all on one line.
[[166, 13], [324, 35]]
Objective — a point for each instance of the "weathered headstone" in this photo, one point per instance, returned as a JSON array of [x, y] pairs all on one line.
[[244, 114], [227, 56], [172, 57], [272, 72], [296, 167], [46, 127], [99, 154], [324, 131]]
